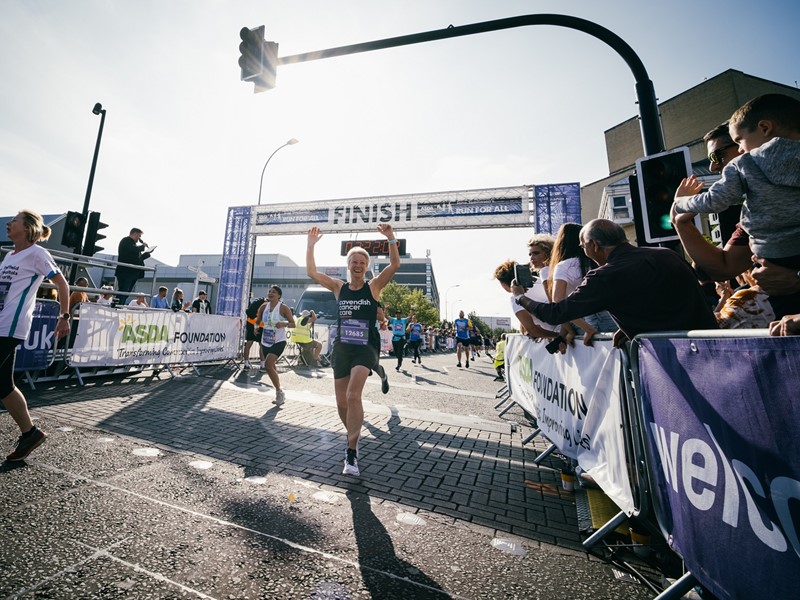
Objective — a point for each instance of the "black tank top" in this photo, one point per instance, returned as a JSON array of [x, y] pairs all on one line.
[[358, 311]]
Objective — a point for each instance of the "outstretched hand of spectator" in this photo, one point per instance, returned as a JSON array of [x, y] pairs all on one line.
[[516, 289], [774, 279], [620, 338], [568, 335], [689, 186], [788, 325]]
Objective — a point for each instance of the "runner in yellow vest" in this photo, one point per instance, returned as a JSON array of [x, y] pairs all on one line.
[[500, 358], [301, 335]]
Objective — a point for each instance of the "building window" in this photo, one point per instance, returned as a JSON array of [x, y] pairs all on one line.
[[621, 209]]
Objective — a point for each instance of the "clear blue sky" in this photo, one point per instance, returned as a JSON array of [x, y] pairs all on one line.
[[184, 139]]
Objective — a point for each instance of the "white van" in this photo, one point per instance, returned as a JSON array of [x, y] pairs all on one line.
[[322, 301]]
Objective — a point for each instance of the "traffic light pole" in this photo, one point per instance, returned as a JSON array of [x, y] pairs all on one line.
[[652, 135], [98, 109]]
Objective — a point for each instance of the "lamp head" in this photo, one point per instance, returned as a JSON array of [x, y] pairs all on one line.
[[97, 108], [292, 142]]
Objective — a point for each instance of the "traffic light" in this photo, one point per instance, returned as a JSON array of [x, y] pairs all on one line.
[[659, 176], [252, 52], [73, 230], [269, 68], [90, 248]]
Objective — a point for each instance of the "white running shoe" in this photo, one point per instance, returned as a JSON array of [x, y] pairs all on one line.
[[351, 469], [351, 463], [280, 397]]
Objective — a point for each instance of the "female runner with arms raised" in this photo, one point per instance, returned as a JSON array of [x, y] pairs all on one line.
[[357, 345]]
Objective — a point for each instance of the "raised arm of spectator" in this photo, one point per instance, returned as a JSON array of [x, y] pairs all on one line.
[[720, 264]]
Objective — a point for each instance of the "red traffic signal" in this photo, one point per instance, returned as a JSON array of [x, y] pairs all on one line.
[[90, 248], [252, 52]]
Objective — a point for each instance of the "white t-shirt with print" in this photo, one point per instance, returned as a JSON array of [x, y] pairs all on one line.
[[21, 273]]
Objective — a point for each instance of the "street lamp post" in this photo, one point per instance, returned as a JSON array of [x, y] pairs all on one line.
[[447, 291], [291, 142]]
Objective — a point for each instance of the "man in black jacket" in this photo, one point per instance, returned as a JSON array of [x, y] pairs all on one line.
[[131, 252]]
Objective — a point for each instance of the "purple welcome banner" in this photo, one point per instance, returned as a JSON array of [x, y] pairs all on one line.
[[722, 433]]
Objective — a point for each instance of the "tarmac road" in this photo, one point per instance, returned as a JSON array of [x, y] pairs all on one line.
[[200, 487]]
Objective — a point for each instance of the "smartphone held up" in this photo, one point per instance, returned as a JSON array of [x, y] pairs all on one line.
[[523, 275]]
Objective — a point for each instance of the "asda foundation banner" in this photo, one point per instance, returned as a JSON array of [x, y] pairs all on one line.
[[577, 402], [125, 336]]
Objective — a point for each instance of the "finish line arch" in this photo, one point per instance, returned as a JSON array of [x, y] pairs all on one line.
[[543, 208]]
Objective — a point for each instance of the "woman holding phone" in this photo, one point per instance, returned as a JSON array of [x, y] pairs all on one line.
[[539, 248]]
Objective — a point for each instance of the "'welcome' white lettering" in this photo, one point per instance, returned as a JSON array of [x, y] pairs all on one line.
[[697, 472]]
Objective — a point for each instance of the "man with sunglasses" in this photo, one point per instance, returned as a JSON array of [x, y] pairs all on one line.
[[735, 257]]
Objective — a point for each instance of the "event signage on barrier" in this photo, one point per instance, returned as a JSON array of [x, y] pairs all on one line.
[[721, 420], [37, 352], [125, 336], [576, 399]]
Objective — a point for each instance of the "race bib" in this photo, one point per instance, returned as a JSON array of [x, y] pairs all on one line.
[[268, 336], [355, 332]]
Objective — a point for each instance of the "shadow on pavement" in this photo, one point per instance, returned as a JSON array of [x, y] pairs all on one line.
[[377, 557]]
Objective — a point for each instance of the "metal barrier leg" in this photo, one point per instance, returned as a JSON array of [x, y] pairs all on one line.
[[605, 529], [507, 408], [679, 588], [29, 379], [499, 404], [531, 436], [550, 449]]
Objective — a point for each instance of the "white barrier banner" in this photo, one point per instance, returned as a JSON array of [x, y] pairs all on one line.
[[126, 336], [576, 400]]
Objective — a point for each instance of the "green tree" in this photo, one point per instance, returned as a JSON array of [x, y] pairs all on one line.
[[400, 297], [476, 320]]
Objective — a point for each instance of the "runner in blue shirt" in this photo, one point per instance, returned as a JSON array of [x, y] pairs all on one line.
[[398, 326], [415, 338], [463, 326]]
